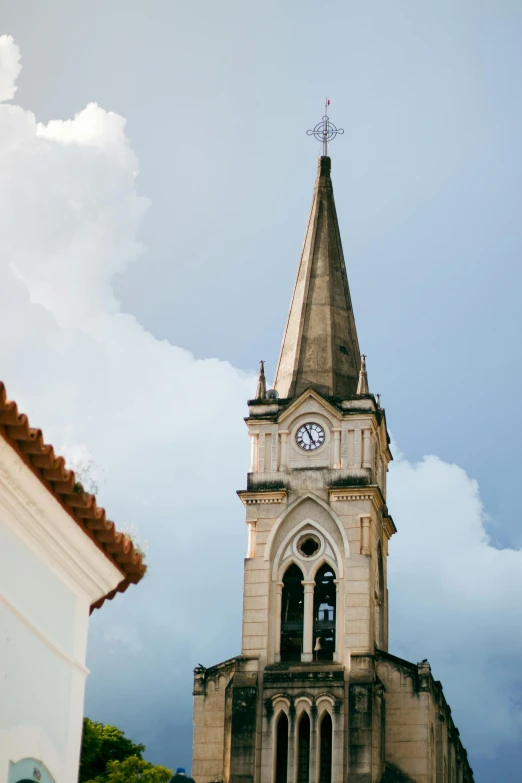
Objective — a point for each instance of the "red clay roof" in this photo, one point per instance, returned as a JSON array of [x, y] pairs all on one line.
[[40, 458]]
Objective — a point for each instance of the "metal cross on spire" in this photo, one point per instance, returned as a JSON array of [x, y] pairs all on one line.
[[325, 130]]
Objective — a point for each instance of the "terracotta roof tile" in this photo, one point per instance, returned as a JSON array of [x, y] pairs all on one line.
[[52, 472]]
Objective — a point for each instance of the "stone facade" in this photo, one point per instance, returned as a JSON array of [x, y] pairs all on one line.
[[315, 697]]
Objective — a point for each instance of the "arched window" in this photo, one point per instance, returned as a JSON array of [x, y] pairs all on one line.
[[324, 614], [325, 749], [303, 749], [281, 759], [27, 771], [292, 613]]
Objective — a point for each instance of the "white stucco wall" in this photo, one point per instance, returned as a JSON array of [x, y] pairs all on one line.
[[50, 573]]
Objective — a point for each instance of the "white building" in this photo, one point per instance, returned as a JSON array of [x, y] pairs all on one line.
[[59, 559]]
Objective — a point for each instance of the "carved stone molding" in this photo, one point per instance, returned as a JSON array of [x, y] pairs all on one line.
[[261, 498], [334, 496]]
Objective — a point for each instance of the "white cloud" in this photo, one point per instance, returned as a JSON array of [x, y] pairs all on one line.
[[166, 431], [455, 599], [10, 67]]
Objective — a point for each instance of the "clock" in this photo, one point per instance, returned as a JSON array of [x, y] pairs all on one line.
[[309, 437]]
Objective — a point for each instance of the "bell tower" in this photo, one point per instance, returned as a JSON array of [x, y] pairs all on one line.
[[315, 500], [304, 702]]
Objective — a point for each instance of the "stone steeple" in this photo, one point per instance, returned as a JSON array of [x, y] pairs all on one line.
[[320, 346], [315, 696]]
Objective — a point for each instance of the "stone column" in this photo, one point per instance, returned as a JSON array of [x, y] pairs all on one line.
[[313, 743], [357, 449], [308, 625], [274, 450], [336, 448], [267, 744], [291, 745], [283, 462], [261, 443], [251, 545], [351, 463], [344, 449], [365, 535], [254, 451], [337, 744], [279, 601], [366, 449], [338, 624]]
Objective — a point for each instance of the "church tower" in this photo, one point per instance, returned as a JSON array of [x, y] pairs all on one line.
[[315, 697]]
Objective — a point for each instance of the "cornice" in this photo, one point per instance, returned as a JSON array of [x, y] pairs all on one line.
[[371, 493], [261, 498], [37, 518], [341, 494], [388, 526], [351, 494]]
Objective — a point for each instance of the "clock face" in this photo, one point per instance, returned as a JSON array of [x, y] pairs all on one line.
[[309, 437]]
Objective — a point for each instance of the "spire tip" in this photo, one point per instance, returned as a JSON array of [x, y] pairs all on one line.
[[362, 386], [261, 382]]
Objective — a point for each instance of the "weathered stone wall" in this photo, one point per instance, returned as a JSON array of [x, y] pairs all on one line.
[[407, 721], [421, 738], [209, 747]]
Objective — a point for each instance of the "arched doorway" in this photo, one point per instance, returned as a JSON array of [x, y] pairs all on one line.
[[292, 614], [281, 749], [325, 594]]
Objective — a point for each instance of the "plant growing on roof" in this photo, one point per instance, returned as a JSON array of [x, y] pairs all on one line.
[[87, 472], [130, 533]]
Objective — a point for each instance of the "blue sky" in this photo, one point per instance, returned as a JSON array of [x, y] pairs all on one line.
[[427, 178]]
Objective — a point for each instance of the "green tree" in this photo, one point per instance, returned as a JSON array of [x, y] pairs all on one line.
[[102, 745], [133, 770]]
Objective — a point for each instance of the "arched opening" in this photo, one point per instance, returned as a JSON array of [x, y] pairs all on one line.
[[324, 614], [303, 749], [281, 759], [28, 770], [292, 613], [325, 749]]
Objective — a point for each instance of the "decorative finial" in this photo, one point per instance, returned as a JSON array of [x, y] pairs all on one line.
[[325, 130], [362, 386], [378, 396], [261, 383]]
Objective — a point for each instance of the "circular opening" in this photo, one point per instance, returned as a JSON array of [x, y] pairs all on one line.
[[309, 546]]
